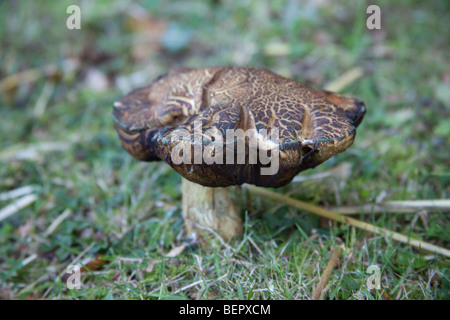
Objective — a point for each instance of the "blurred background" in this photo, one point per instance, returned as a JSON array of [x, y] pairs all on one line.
[[57, 87]]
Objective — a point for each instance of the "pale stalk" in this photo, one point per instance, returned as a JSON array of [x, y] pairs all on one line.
[[213, 208]]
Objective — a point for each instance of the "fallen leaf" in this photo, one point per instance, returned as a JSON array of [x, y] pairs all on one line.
[[175, 251], [94, 264]]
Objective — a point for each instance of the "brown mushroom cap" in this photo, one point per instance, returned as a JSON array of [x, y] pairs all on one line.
[[312, 125]]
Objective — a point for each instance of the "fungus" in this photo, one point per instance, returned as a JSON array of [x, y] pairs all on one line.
[[225, 126]]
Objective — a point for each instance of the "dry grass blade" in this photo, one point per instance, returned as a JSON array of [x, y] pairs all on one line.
[[175, 251], [57, 222], [277, 49], [345, 80], [12, 194], [17, 205], [208, 282], [29, 259], [33, 152], [350, 221], [44, 99], [441, 204], [397, 206], [334, 259]]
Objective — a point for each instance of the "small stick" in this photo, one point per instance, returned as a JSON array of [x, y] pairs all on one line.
[[350, 221], [326, 274]]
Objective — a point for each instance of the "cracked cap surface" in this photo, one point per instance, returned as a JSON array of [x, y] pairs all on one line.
[[194, 105]]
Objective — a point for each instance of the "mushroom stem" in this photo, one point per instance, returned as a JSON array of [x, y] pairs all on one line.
[[209, 208]]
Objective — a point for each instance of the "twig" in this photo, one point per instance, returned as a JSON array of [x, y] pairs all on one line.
[[326, 274], [349, 221]]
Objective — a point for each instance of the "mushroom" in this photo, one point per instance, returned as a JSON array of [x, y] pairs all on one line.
[[225, 126]]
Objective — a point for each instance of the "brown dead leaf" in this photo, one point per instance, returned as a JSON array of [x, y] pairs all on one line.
[[94, 264], [91, 265]]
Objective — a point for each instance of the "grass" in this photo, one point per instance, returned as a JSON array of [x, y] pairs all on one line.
[[57, 135]]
